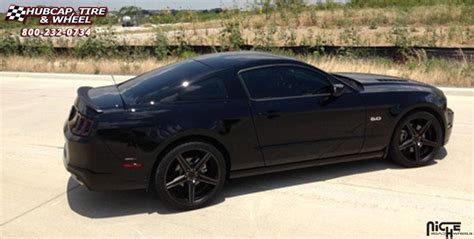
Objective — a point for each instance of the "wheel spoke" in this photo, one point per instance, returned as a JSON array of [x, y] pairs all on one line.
[[177, 181], [202, 161], [205, 179], [186, 173], [411, 130], [191, 190], [183, 163], [406, 144], [417, 153], [425, 127], [429, 143]]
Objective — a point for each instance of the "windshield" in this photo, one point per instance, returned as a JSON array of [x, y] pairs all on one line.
[[161, 82]]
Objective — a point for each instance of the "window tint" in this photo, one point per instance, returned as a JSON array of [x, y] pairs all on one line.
[[161, 84], [209, 89], [275, 82]]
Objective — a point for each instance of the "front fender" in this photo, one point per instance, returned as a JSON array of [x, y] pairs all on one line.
[[386, 109]]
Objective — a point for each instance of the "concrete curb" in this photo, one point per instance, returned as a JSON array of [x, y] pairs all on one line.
[[13, 74], [458, 91], [119, 78]]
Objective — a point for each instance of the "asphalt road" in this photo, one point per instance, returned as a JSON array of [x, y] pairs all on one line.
[[375, 197]]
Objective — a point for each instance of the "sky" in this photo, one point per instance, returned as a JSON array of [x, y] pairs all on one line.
[[145, 4]]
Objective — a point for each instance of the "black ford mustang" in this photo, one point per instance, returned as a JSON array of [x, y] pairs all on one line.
[[185, 128]]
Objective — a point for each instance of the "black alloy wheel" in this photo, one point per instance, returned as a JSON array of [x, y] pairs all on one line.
[[416, 140], [191, 175]]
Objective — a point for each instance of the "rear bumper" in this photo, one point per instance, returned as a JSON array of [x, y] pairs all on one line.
[[93, 165], [449, 119], [100, 181]]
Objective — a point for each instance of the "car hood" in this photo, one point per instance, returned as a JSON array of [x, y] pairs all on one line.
[[374, 82]]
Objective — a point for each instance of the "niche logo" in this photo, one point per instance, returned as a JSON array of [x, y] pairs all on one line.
[[449, 229]]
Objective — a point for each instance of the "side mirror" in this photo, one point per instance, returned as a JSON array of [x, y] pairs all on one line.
[[337, 90]]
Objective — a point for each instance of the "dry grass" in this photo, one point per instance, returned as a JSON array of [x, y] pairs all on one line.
[[438, 15], [442, 36], [437, 25], [356, 36], [75, 65], [438, 72], [440, 25]]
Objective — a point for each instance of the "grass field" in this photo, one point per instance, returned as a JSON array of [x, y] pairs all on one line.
[[437, 23], [402, 23], [439, 72]]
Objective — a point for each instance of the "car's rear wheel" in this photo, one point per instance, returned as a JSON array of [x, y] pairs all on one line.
[[190, 175], [416, 140]]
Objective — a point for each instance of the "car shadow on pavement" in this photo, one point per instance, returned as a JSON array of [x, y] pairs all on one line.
[[124, 203]]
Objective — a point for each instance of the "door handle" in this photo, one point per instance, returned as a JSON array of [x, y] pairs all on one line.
[[272, 114]]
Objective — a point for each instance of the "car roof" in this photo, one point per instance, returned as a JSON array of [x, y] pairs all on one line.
[[242, 59]]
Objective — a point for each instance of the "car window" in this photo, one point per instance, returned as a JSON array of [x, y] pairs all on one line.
[[161, 84], [284, 81], [209, 89]]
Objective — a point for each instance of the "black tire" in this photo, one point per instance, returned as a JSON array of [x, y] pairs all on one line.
[[416, 140], [175, 179]]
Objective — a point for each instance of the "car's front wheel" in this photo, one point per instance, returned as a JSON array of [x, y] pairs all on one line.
[[416, 140], [190, 175]]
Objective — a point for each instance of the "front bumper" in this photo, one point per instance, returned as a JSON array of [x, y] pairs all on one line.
[[449, 119]]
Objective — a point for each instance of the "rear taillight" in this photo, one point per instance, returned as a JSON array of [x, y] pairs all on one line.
[[80, 125]]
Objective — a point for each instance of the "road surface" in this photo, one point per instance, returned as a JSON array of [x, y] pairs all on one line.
[[375, 197]]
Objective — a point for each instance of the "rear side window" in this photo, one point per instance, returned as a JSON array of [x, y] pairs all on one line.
[[162, 84], [208, 89], [284, 81]]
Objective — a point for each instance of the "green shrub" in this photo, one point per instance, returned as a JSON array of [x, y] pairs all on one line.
[[183, 44], [350, 37], [9, 44], [97, 46], [264, 38], [160, 44], [400, 37], [230, 36], [37, 47]]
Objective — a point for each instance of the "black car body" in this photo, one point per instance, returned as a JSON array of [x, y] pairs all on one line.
[[116, 135]]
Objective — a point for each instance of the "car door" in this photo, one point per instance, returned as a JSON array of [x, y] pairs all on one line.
[[297, 118]]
